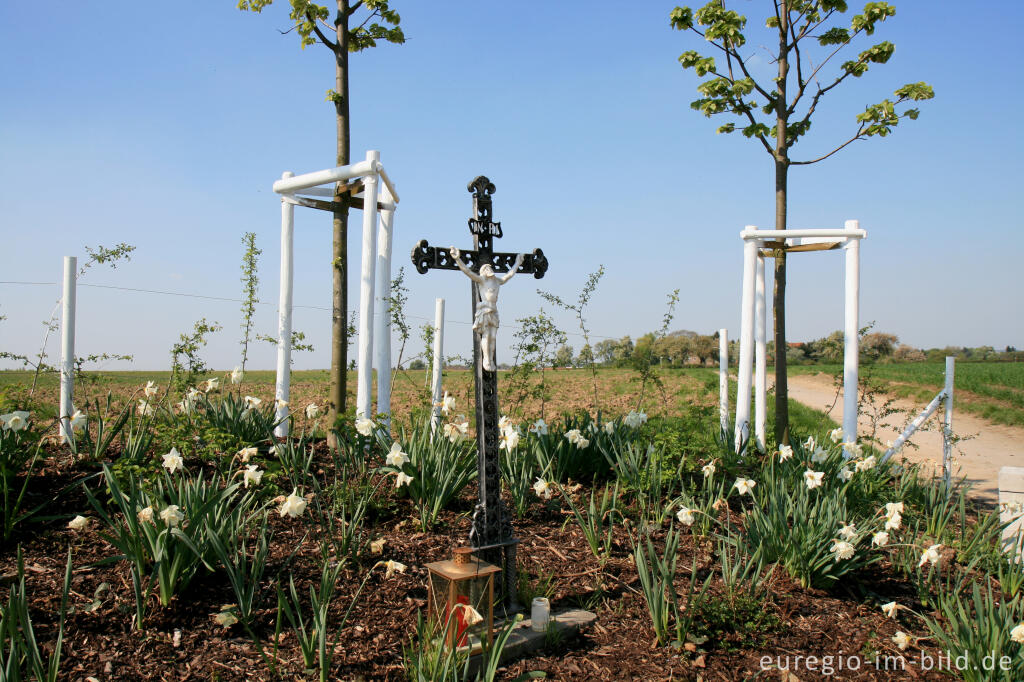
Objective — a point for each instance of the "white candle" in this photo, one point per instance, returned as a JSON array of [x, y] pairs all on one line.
[[540, 613]]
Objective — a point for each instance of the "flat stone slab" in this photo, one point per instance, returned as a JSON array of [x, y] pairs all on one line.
[[524, 640]]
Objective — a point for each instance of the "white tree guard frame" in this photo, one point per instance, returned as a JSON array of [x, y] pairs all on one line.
[[375, 278], [753, 320]]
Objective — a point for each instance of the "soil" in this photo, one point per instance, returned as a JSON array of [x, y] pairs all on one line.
[[183, 642], [984, 449]]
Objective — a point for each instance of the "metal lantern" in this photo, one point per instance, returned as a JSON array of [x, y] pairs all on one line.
[[461, 596]]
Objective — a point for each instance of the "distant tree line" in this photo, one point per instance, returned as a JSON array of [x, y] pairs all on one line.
[[686, 348]]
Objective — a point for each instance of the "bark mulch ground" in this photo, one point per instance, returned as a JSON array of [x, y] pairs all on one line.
[[183, 642]]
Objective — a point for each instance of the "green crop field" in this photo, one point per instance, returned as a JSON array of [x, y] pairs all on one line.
[[992, 390]]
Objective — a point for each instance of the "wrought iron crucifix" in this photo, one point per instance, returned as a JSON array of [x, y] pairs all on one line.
[[492, 528]]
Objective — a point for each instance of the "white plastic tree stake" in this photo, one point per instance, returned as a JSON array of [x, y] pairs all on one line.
[[851, 338], [435, 379], [760, 355], [67, 345], [364, 386], [723, 379], [284, 313], [382, 331], [947, 424], [746, 362]]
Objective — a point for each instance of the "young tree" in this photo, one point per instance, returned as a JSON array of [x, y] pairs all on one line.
[[777, 112], [313, 23]]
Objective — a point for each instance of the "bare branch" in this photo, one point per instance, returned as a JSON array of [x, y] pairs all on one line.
[[858, 136], [354, 8], [372, 14], [319, 34]]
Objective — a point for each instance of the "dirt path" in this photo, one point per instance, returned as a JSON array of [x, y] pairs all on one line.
[[993, 445]]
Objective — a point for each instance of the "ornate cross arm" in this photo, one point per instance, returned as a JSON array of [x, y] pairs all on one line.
[[426, 257]]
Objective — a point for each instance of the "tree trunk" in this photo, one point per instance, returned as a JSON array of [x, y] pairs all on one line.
[[338, 392], [781, 176]]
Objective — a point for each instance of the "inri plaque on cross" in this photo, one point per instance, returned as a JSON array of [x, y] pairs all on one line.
[[492, 527]]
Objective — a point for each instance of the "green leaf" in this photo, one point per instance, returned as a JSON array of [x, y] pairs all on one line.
[[681, 18], [727, 128], [834, 36]]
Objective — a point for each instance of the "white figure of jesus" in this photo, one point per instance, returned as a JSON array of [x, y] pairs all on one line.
[[486, 321]]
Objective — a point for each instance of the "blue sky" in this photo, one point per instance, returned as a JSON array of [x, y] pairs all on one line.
[[166, 129]]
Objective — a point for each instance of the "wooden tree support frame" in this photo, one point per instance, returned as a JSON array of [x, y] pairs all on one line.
[[758, 245], [369, 178]]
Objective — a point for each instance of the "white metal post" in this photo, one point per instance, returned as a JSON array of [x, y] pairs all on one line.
[[67, 346], [851, 355], [723, 379], [364, 390], [282, 392], [382, 331], [947, 424], [435, 380], [746, 361], [760, 354]]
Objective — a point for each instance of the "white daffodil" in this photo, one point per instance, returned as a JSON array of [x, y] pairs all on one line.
[[609, 428], [151, 389], [237, 375], [745, 486], [573, 435], [293, 505], [851, 449], [890, 609], [252, 474], [451, 432], [470, 615], [842, 549], [392, 567], [1017, 634], [880, 538], [78, 421], [145, 515], [634, 419], [819, 455], [377, 546], [810, 444], [902, 639], [844, 474], [509, 440], [539, 427], [364, 426], [893, 522], [504, 423], [685, 516], [171, 515], [836, 434], [173, 461], [813, 479], [848, 531], [708, 469], [280, 404], [785, 452], [312, 411], [78, 523], [245, 453], [396, 458], [865, 464], [930, 555], [543, 489], [402, 479], [144, 409], [15, 421], [447, 403], [252, 402], [212, 385], [892, 508]]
